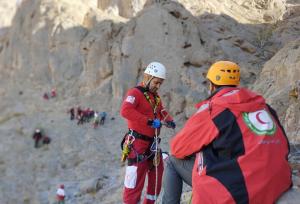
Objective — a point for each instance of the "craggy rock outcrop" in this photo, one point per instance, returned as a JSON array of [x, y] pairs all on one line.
[[92, 51], [279, 81]]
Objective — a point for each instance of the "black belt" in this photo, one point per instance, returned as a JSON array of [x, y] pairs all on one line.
[[140, 158], [137, 135], [140, 136]]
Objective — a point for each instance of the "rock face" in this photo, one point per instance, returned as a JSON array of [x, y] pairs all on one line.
[[92, 52], [7, 9], [124, 8], [246, 11], [279, 81]]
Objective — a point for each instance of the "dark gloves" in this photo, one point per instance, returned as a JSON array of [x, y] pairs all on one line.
[[171, 124], [154, 123]]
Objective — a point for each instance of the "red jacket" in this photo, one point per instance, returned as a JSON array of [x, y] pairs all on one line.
[[241, 149], [137, 110]]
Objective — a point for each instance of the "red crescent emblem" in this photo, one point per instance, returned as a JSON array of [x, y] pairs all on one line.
[[258, 118]]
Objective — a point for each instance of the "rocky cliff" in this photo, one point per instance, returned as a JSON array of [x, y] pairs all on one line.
[[92, 51]]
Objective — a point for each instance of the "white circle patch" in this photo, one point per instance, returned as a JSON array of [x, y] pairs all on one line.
[[260, 122]]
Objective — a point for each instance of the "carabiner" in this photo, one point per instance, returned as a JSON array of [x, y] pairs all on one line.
[[130, 137]]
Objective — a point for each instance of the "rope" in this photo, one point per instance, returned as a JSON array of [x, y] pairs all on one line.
[[191, 197], [156, 166]]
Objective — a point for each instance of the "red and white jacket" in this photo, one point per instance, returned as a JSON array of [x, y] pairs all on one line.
[[241, 149], [60, 194]]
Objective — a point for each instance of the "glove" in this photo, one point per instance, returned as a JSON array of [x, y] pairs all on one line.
[[154, 123], [171, 124]]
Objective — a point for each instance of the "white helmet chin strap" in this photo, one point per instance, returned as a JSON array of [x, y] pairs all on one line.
[[148, 82]]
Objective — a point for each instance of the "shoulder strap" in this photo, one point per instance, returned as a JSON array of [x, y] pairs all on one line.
[[142, 89], [156, 98]]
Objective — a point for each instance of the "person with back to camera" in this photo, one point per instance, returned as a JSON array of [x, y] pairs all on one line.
[[233, 149]]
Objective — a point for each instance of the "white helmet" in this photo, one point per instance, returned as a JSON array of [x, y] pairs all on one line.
[[156, 69]]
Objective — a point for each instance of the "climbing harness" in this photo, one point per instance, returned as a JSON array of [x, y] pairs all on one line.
[[127, 146], [137, 135], [154, 104]]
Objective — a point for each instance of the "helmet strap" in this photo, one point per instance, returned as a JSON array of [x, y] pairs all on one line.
[[147, 84]]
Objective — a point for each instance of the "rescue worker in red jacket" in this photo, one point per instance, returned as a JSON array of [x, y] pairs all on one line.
[[240, 146], [145, 114], [60, 194]]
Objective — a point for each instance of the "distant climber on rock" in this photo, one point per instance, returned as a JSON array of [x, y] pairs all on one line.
[[45, 96], [80, 118], [142, 108], [40, 139], [37, 136], [46, 140], [72, 113], [233, 149], [60, 194], [96, 121], [53, 93], [90, 115], [78, 112], [103, 116]]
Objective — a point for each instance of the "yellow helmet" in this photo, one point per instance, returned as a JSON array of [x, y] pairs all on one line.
[[224, 73]]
